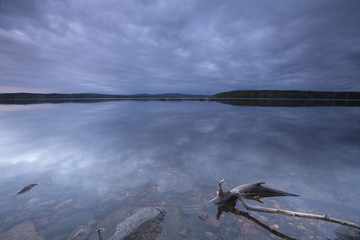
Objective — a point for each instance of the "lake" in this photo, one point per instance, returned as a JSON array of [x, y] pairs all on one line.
[[98, 163]]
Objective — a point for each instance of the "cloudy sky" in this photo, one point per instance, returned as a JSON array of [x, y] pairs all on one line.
[[188, 46]]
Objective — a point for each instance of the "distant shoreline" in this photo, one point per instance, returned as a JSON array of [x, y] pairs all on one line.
[[60, 96], [254, 102], [237, 94], [288, 94], [262, 98]]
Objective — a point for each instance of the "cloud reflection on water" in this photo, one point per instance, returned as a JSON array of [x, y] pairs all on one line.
[[309, 151]]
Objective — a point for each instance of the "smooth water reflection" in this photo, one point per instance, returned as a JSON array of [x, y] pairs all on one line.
[[91, 159]]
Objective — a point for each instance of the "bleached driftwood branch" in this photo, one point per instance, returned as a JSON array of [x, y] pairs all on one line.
[[251, 218], [295, 214]]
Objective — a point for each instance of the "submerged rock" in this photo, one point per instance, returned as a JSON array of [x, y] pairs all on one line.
[[202, 215], [175, 225], [210, 220], [347, 233], [24, 230], [86, 199], [110, 221], [145, 224], [67, 224]]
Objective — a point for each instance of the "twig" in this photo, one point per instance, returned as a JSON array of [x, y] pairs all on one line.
[[295, 214], [99, 232]]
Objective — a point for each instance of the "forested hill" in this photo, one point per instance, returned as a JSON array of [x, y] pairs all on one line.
[[288, 94]]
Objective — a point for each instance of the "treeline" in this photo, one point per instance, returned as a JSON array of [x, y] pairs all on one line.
[[275, 94], [288, 94], [289, 102], [54, 96], [40, 96]]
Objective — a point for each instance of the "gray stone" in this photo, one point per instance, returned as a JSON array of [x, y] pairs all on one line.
[[110, 222], [145, 224]]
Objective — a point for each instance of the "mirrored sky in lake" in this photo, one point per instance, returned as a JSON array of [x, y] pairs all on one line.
[[173, 154]]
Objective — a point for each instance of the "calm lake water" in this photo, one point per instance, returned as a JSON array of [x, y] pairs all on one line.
[[98, 163]]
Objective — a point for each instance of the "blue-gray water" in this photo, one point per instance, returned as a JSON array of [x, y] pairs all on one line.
[[91, 159]]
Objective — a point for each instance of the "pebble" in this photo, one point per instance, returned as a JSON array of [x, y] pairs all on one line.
[[275, 226], [301, 227], [202, 215], [209, 234], [183, 232], [159, 189], [265, 219]]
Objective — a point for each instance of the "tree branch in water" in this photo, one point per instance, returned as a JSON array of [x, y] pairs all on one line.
[[251, 218], [295, 214]]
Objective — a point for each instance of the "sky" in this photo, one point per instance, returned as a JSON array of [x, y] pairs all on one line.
[[178, 46]]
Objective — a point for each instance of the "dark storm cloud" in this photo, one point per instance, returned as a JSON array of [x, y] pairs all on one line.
[[179, 46]]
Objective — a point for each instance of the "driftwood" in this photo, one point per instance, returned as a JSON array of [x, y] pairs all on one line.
[[233, 210], [228, 199], [296, 214]]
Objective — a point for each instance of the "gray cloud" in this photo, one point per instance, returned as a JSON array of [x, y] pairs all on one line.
[[179, 46]]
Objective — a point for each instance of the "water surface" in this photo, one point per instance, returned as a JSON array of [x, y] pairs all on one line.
[[93, 159]]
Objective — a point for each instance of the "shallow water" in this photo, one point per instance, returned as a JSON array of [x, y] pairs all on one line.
[[91, 159]]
